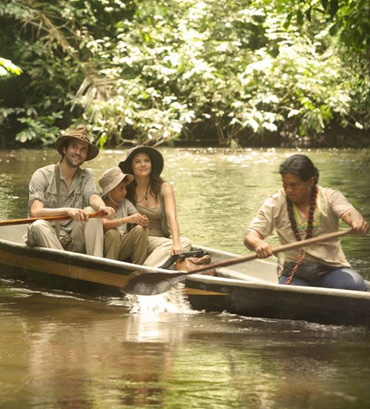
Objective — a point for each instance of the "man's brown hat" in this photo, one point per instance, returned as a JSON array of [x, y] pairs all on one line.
[[81, 135]]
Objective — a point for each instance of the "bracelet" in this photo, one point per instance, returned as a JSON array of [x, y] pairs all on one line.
[[121, 221]]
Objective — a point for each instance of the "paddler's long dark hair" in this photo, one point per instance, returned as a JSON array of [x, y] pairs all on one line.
[[302, 166]]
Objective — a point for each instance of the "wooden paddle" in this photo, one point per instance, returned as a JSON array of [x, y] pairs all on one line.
[[47, 218], [153, 283]]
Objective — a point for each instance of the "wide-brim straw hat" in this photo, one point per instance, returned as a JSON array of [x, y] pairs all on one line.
[[111, 178], [155, 157], [81, 135]]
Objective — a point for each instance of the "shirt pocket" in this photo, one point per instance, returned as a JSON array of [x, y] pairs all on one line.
[[77, 200], [51, 197]]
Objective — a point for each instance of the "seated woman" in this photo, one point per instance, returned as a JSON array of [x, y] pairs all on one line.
[[300, 210], [154, 198], [119, 243]]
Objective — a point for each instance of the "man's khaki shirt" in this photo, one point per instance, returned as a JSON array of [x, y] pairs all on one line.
[[43, 187]]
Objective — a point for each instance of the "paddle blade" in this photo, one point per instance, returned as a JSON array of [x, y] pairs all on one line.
[[151, 283]]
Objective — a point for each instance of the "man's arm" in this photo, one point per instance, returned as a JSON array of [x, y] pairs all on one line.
[[97, 203], [38, 210]]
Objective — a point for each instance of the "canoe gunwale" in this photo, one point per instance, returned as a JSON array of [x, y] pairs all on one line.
[[277, 287], [246, 297]]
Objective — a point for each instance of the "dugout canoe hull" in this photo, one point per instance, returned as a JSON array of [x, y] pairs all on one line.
[[248, 289]]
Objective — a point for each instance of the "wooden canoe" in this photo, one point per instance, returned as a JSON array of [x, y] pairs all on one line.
[[248, 289]]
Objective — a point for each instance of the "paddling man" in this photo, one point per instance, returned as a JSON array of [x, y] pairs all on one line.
[[65, 189], [301, 210]]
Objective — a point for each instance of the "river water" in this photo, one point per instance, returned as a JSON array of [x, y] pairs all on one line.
[[58, 350]]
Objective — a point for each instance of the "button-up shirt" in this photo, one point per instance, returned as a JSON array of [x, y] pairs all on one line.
[[43, 187], [331, 207]]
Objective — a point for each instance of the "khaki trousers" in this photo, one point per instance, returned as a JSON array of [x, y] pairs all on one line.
[[133, 245], [87, 237], [159, 250]]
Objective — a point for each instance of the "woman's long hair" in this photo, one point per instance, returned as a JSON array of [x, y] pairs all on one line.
[[155, 183]]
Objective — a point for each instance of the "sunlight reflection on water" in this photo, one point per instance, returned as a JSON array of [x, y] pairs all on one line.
[[61, 351]]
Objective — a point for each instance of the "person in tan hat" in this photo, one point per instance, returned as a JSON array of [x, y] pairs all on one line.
[[155, 198], [119, 243], [65, 189]]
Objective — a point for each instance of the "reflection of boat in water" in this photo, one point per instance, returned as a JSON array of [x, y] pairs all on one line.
[[248, 288]]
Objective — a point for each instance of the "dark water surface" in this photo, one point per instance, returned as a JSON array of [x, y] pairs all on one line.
[[61, 351]]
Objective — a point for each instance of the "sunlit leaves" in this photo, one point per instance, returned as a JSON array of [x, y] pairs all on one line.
[[7, 68]]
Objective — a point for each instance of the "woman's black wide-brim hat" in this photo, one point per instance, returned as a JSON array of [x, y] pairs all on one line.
[[155, 157]]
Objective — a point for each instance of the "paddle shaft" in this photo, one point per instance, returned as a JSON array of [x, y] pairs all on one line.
[[152, 283], [47, 218], [275, 250]]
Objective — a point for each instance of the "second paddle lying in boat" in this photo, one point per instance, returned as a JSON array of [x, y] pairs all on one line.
[[154, 283]]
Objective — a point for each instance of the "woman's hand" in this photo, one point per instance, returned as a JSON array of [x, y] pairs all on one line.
[[253, 242], [355, 220], [360, 227], [263, 249], [177, 249]]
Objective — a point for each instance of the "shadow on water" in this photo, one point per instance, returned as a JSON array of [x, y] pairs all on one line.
[[61, 351]]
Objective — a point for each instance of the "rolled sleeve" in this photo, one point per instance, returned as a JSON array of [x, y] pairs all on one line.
[[37, 187], [338, 203], [264, 222]]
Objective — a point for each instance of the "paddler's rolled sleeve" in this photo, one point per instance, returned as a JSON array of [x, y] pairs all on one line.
[[264, 223], [338, 202]]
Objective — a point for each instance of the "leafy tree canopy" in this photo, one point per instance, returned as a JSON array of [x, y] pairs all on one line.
[[251, 72]]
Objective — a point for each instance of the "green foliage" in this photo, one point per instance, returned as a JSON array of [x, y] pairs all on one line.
[[41, 129], [181, 66], [152, 72], [50, 41]]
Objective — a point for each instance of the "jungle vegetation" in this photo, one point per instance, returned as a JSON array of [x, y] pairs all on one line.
[[211, 72]]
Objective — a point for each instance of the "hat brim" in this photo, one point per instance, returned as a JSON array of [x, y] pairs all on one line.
[[115, 183], [155, 157], [60, 142]]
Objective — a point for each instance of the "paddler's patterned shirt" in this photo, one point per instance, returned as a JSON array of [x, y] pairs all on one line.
[[43, 187], [331, 207]]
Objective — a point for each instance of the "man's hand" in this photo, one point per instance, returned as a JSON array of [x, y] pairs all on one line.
[[108, 212], [79, 215]]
